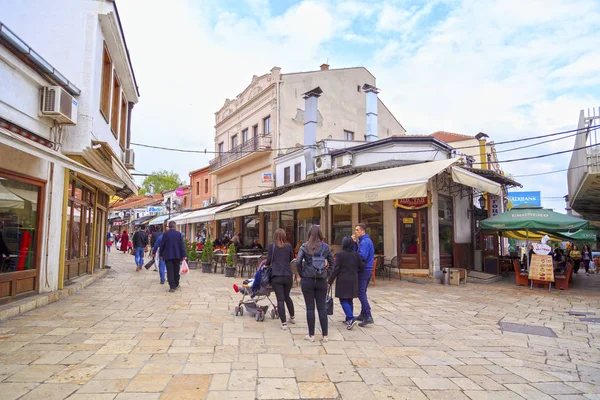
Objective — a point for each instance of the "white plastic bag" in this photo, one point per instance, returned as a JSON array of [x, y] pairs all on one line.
[[183, 268]]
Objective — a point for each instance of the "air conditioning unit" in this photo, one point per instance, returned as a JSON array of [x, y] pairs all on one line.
[[58, 105], [323, 163], [345, 161], [129, 158], [205, 203], [212, 200]]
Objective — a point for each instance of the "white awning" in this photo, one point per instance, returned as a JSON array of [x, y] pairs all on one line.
[[240, 211], [389, 184], [25, 145], [158, 220], [205, 214], [304, 197], [181, 217], [470, 179]]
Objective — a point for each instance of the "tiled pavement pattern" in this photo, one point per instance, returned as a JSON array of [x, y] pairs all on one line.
[[126, 337]]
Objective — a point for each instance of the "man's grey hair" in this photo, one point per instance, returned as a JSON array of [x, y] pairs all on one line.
[[172, 224]]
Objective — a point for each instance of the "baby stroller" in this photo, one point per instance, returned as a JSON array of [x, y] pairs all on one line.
[[252, 293]]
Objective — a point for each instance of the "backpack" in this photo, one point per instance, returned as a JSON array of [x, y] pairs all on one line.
[[317, 267]]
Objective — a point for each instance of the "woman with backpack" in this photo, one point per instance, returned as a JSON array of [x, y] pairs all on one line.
[[348, 265], [279, 258], [313, 271]]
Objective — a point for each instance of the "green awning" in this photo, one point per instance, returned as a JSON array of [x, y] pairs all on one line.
[[528, 217], [584, 235]]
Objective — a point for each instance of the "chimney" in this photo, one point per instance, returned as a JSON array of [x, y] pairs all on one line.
[[311, 99], [371, 94], [324, 67]]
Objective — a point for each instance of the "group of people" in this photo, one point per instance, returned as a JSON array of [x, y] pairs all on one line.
[[351, 270], [577, 256]]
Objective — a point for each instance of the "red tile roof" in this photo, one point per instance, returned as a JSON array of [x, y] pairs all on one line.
[[136, 201], [450, 136]]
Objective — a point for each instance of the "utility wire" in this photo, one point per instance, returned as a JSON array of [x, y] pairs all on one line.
[[550, 172], [541, 156]]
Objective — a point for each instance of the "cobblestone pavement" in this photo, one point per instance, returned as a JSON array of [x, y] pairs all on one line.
[[126, 337]]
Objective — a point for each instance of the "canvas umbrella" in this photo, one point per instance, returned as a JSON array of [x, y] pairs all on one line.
[[527, 217], [583, 235]]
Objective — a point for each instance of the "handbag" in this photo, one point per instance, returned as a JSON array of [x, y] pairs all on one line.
[[150, 263], [183, 268], [329, 301]]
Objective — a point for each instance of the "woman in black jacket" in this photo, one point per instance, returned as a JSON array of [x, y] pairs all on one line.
[[311, 267], [279, 259], [348, 264]]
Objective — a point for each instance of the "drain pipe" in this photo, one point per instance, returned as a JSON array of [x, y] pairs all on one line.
[[49, 208]]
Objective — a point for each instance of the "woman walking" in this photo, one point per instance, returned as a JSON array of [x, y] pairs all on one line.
[[313, 271], [348, 264], [587, 258], [279, 258], [124, 242], [575, 255]]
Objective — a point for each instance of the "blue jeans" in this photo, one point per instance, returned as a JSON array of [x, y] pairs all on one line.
[[348, 308], [363, 282], [162, 270], [139, 256]]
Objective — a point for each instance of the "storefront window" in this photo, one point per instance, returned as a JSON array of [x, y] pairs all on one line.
[[287, 224], [306, 218], [341, 218], [251, 230], [271, 224], [371, 214], [227, 228], [18, 225], [446, 224]]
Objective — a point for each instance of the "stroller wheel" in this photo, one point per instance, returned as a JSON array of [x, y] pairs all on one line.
[[257, 316], [262, 317], [241, 310]]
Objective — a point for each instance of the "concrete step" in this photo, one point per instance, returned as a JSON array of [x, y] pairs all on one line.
[[482, 277]]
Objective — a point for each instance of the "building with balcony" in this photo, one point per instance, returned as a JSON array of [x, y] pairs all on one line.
[[267, 120], [68, 89], [583, 176]]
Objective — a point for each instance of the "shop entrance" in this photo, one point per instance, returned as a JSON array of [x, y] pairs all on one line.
[[412, 239]]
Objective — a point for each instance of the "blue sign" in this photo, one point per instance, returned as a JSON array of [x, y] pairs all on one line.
[[518, 198]]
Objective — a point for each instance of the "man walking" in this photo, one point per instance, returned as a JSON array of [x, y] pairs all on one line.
[[153, 238], [162, 266], [140, 241], [364, 247], [172, 250]]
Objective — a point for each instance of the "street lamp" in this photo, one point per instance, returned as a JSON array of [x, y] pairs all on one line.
[[168, 205], [481, 202]]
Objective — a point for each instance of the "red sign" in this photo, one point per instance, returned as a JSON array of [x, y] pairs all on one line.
[[414, 203]]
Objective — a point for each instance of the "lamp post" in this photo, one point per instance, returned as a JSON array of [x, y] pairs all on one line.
[[168, 205]]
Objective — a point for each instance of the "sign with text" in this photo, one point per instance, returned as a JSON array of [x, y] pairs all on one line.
[[494, 205], [542, 249], [518, 198], [155, 209], [267, 177], [541, 268], [414, 203]]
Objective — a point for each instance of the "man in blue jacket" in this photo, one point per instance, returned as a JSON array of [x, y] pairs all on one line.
[[364, 247], [162, 266], [172, 250]]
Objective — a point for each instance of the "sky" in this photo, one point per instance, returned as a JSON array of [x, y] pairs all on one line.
[[509, 68]]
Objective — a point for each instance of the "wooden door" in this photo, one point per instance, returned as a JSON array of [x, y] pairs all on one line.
[[412, 239]]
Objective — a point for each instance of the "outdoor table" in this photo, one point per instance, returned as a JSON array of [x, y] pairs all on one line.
[[248, 258], [221, 260]]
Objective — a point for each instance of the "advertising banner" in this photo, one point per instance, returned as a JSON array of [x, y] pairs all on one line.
[[541, 268], [518, 198]]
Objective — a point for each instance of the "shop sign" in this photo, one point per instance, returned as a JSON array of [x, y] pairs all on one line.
[[140, 210], [541, 268], [542, 249], [494, 205], [267, 177], [179, 192], [155, 209], [117, 223], [414, 203]]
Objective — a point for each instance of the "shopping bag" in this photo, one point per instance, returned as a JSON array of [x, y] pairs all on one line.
[[183, 268], [149, 263], [329, 301]]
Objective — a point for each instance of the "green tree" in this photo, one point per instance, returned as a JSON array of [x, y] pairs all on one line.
[[161, 180]]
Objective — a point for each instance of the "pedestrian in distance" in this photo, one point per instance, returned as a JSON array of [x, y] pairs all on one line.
[[364, 246], [279, 258], [586, 255], [108, 245], [312, 267], [172, 250], [140, 241], [124, 242], [162, 266], [348, 266], [575, 255]]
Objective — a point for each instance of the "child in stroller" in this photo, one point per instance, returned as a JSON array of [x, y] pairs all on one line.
[[255, 290]]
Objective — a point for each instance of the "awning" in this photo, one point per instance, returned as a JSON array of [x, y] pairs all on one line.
[[389, 184], [470, 179], [159, 220], [304, 197], [181, 217], [205, 214], [142, 220], [240, 211], [25, 145]]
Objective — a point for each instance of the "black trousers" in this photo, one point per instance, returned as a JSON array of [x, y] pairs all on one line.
[[586, 265], [576, 265], [315, 291], [282, 285], [173, 273]]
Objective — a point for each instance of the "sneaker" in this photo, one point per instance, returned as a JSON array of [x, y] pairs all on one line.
[[366, 321], [360, 317], [162, 282], [325, 339], [587, 274], [309, 338], [171, 290], [352, 324], [292, 320], [284, 326]]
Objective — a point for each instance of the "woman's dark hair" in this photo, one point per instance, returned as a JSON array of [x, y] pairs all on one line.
[[348, 244], [587, 246], [279, 238], [314, 239]]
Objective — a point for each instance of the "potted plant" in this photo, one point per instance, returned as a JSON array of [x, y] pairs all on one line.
[[207, 256], [192, 254], [229, 267]]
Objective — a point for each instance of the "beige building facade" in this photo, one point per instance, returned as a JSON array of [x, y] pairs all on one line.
[[267, 120]]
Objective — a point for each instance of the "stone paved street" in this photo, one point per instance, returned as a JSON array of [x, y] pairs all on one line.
[[126, 337]]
